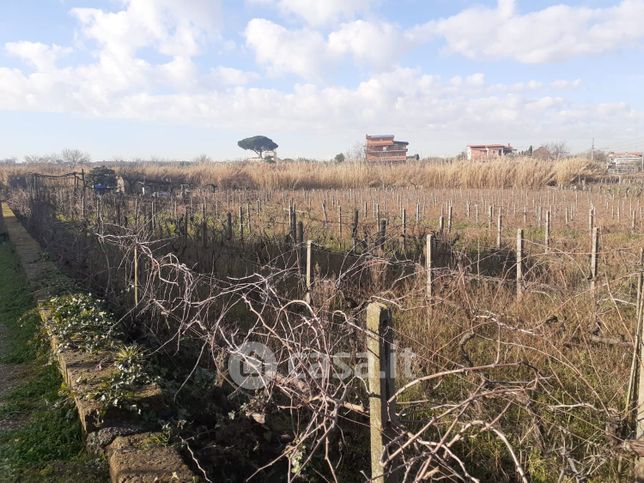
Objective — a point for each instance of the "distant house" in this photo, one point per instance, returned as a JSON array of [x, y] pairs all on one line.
[[384, 149], [626, 162], [483, 152]]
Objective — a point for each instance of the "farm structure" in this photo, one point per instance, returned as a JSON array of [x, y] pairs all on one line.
[[482, 152], [522, 309], [626, 162], [384, 149]]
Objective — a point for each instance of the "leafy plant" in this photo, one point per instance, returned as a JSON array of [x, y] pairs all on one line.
[[80, 321], [131, 373]]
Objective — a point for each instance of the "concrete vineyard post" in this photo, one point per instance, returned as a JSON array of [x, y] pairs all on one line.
[[381, 385], [428, 265], [547, 232], [441, 223], [449, 218]]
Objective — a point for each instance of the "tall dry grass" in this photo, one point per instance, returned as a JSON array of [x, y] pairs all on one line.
[[506, 173]]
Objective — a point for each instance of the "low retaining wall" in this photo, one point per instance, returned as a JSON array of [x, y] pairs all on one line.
[[134, 454]]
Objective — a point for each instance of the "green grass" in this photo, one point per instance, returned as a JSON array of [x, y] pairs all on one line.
[[48, 446]]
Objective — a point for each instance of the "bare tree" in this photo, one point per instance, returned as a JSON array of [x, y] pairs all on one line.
[[41, 158], [356, 153], [75, 156], [558, 149]]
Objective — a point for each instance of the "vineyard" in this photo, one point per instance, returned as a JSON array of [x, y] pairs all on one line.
[[440, 328]]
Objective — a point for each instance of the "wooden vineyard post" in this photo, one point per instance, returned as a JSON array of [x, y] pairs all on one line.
[[382, 235], [639, 431], [519, 263], [441, 223], [326, 216], [428, 265], [309, 270], [547, 232], [640, 283], [293, 225], [499, 228], [248, 225], [229, 226], [204, 226], [354, 229], [404, 228], [136, 275], [489, 218], [381, 385], [300, 232], [299, 246], [633, 396], [594, 260], [83, 197], [187, 223]]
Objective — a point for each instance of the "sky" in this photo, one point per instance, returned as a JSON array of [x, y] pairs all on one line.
[[175, 79]]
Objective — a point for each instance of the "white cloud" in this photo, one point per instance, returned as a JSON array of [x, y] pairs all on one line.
[[566, 84], [374, 43], [321, 12], [41, 56], [234, 77], [552, 34], [307, 53], [173, 28], [301, 52]]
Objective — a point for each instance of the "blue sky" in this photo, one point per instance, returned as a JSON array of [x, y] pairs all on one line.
[[172, 79]]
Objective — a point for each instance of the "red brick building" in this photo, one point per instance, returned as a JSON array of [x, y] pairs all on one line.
[[482, 152], [384, 149]]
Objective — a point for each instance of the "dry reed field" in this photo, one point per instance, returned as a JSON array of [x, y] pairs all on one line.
[[507, 296]]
